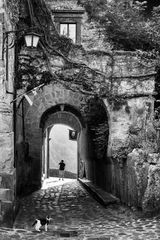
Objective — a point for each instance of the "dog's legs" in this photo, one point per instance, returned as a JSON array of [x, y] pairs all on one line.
[[45, 227], [37, 229], [37, 226]]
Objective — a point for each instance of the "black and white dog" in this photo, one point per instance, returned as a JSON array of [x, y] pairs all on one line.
[[40, 222]]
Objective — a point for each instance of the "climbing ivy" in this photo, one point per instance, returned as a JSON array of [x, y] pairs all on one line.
[[13, 10], [34, 69]]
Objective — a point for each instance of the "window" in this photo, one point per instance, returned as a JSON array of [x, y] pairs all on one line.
[[68, 30], [68, 23]]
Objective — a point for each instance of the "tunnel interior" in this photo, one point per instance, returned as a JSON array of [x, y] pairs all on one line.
[[57, 125], [62, 147], [35, 152]]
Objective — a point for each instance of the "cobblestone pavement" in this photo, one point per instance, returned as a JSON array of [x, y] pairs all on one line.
[[76, 215]]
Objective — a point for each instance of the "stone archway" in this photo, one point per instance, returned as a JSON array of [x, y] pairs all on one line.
[[53, 104], [60, 114], [56, 105]]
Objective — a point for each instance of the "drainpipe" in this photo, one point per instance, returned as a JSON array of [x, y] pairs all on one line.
[[48, 140], [23, 126], [47, 152], [14, 97]]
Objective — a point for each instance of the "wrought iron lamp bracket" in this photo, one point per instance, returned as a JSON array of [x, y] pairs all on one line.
[[10, 38]]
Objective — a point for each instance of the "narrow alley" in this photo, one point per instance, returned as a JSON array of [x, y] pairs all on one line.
[[76, 215]]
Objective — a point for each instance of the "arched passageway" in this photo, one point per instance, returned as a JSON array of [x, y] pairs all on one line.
[[57, 126], [58, 106], [62, 147]]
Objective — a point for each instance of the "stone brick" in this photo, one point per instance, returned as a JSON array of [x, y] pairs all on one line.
[[7, 154], [151, 200], [153, 158], [137, 176], [5, 118], [8, 180], [7, 212], [126, 71], [6, 194]]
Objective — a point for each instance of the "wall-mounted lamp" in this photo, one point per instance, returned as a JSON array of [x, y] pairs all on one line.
[[11, 40], [31, 39]]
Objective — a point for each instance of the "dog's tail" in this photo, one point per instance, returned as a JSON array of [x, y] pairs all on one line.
[[34, 223]]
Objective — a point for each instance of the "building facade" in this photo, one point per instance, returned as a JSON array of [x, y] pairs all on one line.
[[106, 96]]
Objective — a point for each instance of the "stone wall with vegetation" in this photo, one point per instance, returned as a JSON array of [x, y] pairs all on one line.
[[121, 79], [128, 99], [7, 167], [133, 141]]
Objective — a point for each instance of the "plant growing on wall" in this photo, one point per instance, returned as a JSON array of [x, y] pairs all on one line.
[[132, 27], [77, 76], [13, 10], [144, 138], [125, 26], [98, 126]]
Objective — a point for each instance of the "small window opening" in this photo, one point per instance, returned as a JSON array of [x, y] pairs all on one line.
[[68, 30]]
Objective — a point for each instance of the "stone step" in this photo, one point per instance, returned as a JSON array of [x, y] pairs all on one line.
[[6, 206], [6, 213], [6, 194], [99, 194]]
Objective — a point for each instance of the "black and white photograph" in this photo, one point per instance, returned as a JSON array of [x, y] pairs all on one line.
[[79, 120]]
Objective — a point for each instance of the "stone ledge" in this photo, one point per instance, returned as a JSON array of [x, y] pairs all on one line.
[[100, 195], [7, 213], [6, 194], [7, 180]]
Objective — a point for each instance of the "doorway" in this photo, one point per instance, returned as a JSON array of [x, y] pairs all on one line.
[[61, 147], [58, 145]]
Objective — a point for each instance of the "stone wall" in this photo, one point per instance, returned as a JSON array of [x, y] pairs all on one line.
[[133, 85], [91, 38], [131, 127], [143, 171], [7, 170], [128, 103], [49, 97], [122, 172]]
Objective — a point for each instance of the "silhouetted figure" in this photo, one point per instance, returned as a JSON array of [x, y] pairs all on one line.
[[61, 169]]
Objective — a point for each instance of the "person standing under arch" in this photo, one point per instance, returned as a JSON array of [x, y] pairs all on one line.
[[61, 169]]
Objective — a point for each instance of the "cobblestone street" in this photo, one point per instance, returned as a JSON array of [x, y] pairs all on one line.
[[76, 215]]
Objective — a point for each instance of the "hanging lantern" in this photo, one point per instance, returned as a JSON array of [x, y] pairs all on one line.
[[31, 40]]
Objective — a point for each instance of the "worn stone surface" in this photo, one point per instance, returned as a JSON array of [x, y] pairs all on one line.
[[133, 111], [6, 194], [7, 174], [130, 178], [7, 180], [129, 80], [143, 179], [138, 166], [63, 5], [153, 158], [7, 155], [151, 200], [76, 215]]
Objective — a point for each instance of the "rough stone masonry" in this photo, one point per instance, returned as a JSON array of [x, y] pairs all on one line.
[[126, 163]]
